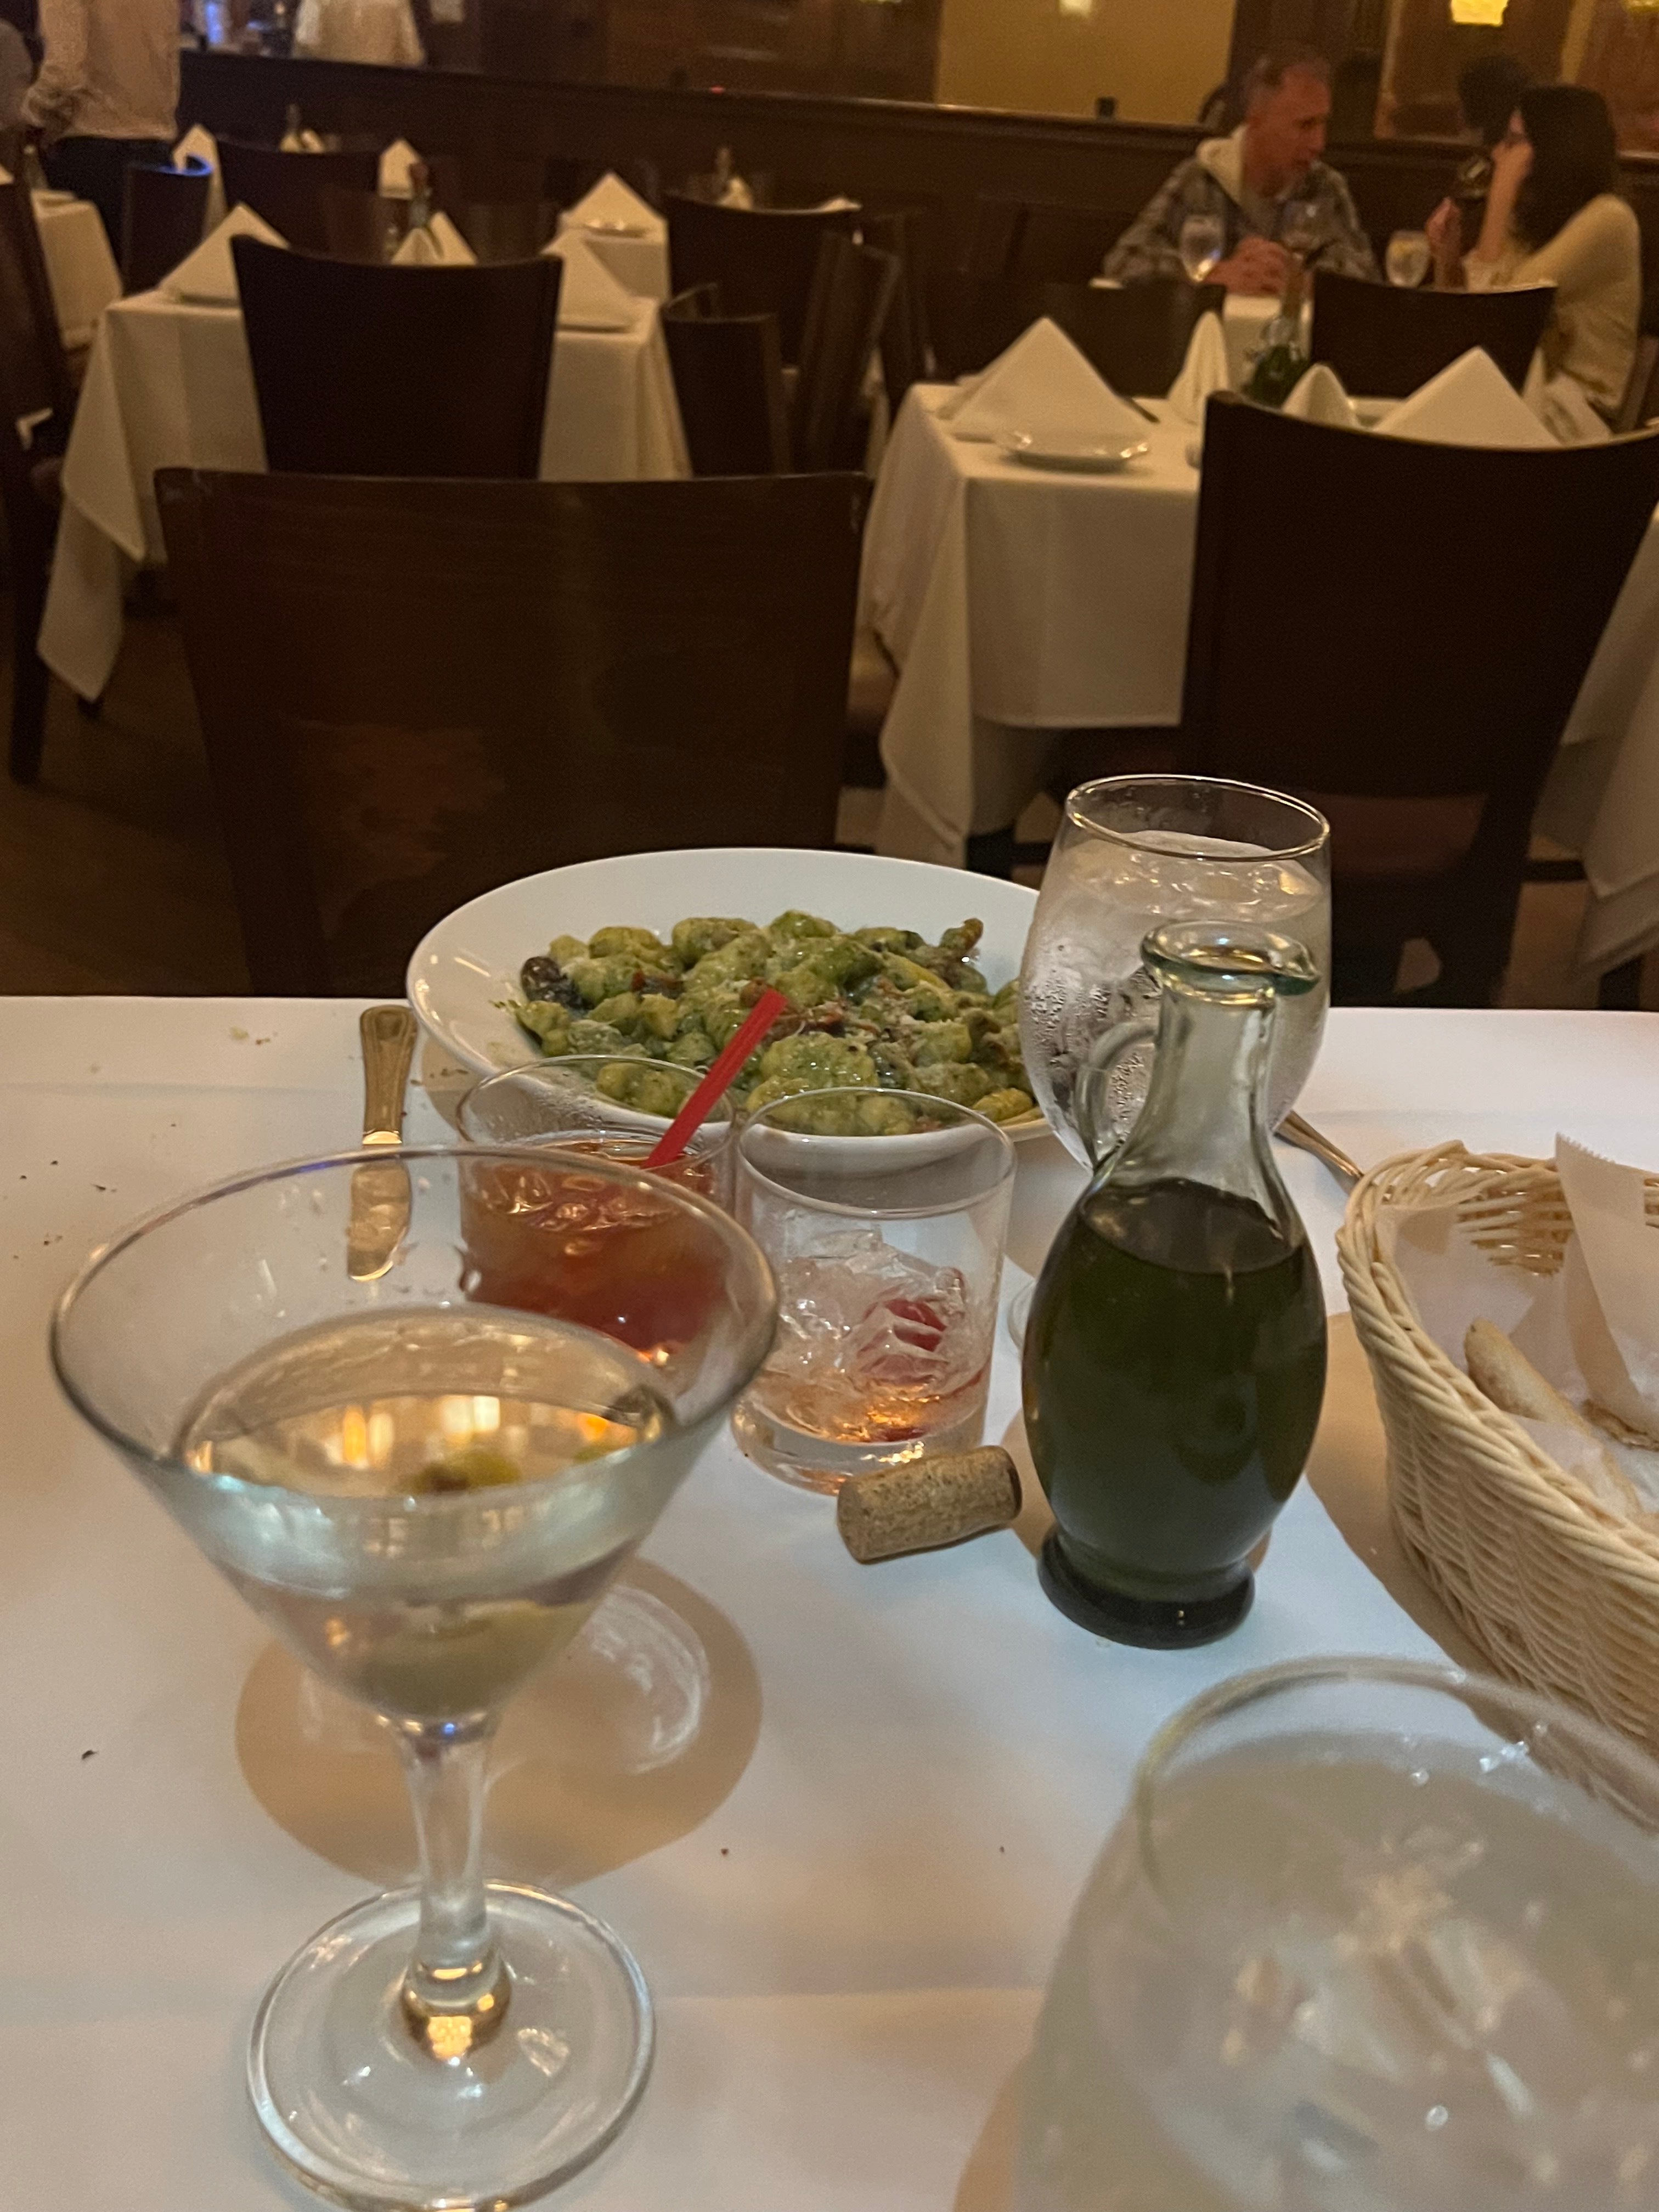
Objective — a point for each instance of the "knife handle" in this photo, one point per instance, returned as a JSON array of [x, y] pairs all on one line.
[[388, 1035]]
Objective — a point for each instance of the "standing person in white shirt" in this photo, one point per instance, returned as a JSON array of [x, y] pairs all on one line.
[[106, 96]]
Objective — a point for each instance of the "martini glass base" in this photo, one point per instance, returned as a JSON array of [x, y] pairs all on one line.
[[361, 2114]]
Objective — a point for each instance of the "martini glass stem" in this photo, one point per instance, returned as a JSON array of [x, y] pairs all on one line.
[[455, 1991]]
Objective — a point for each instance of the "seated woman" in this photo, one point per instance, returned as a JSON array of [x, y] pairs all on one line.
[[1554, 216]]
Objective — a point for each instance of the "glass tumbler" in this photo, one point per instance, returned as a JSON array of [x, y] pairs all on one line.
[[888, 1250], [615, 1106]]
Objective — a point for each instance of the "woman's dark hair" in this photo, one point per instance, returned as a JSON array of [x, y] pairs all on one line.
[[1489, 91], [1575, 157]]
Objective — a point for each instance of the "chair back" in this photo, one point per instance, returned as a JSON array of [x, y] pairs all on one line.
[[1384, 341], [763, 258], [907, 345], [1378, 619], [287, 189], [389, 371], [357, 224], [505, 230], [412, 692], [35, 371], [728, 379], [1137, 338], [163, 215], [1641, 401], [853, 290]]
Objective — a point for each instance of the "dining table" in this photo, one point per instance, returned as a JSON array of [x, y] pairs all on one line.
[[170, 384], [80, 265], [1019, 601], [840, 1813]]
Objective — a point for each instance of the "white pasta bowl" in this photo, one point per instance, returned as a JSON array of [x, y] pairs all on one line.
[[466, 967]]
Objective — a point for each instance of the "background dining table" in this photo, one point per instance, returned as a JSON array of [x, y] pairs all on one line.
[[80, 266], [1018, 601], [839, 1812], [170, 384]]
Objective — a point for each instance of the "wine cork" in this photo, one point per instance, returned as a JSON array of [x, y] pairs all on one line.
[[927, 1503]]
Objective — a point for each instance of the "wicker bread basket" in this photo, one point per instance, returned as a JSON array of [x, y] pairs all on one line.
[[1561, 1594]]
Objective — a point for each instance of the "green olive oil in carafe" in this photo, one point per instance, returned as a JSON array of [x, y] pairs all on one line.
[[1174, 1356]]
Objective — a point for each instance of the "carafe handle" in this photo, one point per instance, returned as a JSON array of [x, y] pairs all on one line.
[[1089, 1097]]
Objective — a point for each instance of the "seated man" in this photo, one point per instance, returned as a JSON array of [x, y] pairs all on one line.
[[1249, 181]]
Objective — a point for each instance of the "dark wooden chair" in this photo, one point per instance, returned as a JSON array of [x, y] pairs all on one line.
[[356, 225], [852, 290], [414, 691], [288, 189], [1015, 248], [505, 230], [763, 259], [1407, 660], [387, 372], [1641, 401], [907, 345], [1384, 341], [34, 381], [162, 218], [728, 378], [1137, 338]]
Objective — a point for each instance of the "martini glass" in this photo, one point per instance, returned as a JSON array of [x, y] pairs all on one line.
[[424, 1477]]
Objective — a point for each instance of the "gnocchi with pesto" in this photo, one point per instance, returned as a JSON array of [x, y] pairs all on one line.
[[873, 1009]]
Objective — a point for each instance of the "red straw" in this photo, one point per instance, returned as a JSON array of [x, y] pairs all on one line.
[[718, 1081]]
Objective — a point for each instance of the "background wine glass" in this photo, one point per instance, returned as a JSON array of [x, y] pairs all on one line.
[[1298, 228], [425, 1483], [1136, 851], [1408, 258], [1202, 240], [1370, 1937]]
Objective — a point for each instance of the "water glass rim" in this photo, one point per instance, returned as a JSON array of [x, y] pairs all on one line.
[[1006, 1162], [546, 1073], [438, 1505], [1463, 1686], [1152, 840]]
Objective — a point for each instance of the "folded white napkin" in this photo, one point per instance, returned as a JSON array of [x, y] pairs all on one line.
[[1472, 403], [1203, 370], [301, 142], [396, 164], [1564, 409], [1319, 398], [435, 244], [612, 201], [208, 277], [590, 297], [1044, 385], [200, 145]]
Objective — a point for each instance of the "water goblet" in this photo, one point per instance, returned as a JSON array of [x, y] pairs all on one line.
[[1135, 851], [425, 1488], [1201, 244], [1408, 258], [1370, 1936]]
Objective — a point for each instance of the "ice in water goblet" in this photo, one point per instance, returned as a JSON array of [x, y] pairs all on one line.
[[1370, 1936], [425, 1483]]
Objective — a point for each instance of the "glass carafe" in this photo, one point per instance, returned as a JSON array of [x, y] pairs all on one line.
[[1174, 1356]]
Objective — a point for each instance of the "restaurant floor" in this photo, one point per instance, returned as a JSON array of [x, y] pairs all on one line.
[[112, 878]]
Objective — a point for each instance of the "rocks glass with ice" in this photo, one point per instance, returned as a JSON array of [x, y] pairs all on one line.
[[1370, 1936], [888, 1255], [425, 1483], [1133, 852]]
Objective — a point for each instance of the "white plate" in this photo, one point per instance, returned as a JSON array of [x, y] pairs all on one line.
[[472, 958], [1080, 456]]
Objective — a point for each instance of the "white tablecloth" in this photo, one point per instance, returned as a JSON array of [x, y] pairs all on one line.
[[1019, 601], [79, 264], [172, 386], [641, 265], [845, 1892]]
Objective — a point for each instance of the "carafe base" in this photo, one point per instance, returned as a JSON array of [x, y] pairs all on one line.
[[1156, 1623]]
